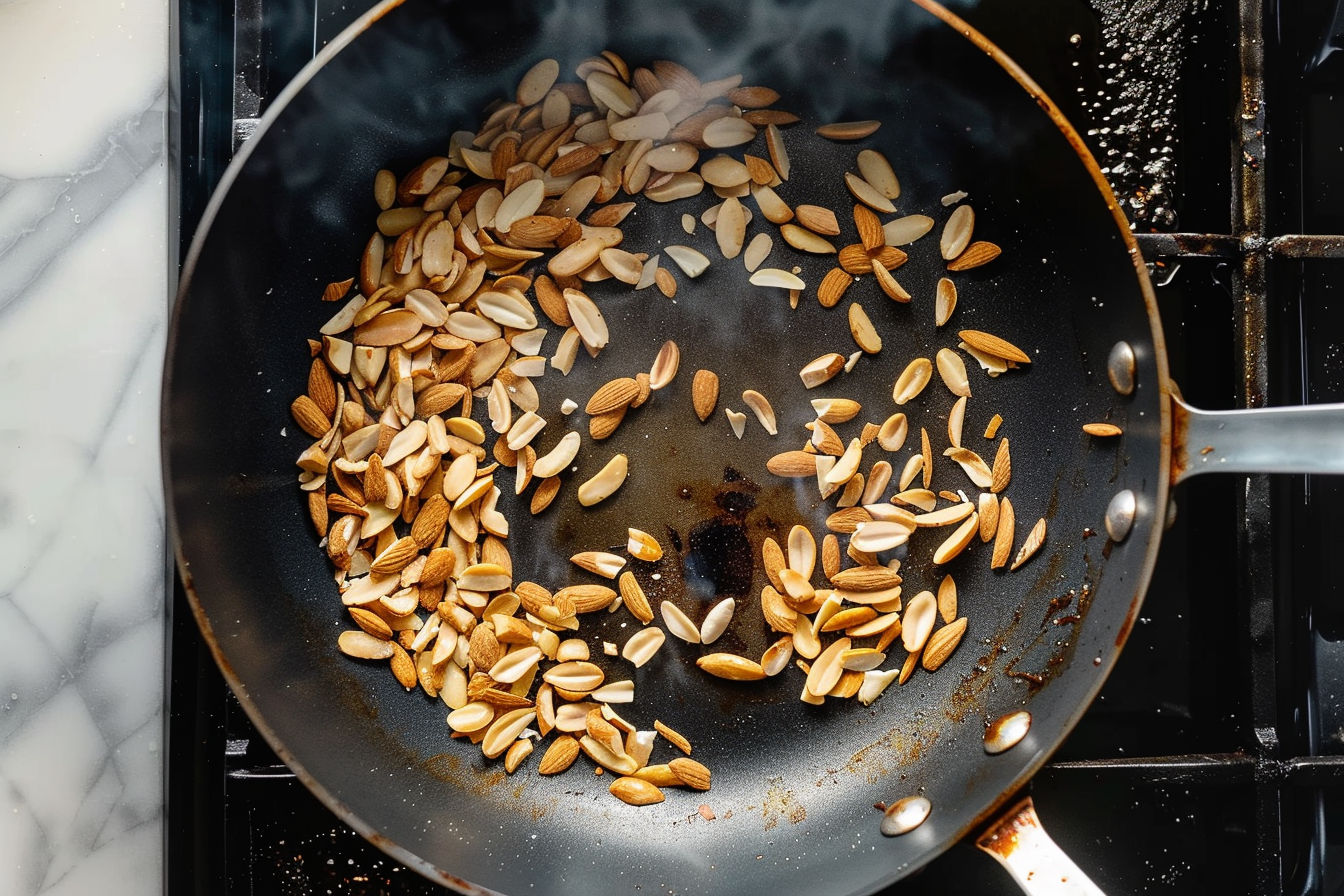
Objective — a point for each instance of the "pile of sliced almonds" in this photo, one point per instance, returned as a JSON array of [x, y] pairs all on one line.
[[517, 216]]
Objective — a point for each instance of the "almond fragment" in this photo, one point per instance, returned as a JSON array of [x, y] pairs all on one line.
[[704, 393], [822, 369], [643, 546], [993, 345], [635, 792], [974, 255], [737, 420], [862, 329], [1035, 538], [599, 563], [632, 595], [1004, 535], [665, 366], [1103, 430], [942, 643], [678, 623], [642, 645], [912, 380], [832, 287], [760, 406]]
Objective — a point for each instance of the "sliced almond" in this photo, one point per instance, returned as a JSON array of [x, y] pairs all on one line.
[[957, 232], [643, 645], [827, 668], [758, 250], [558, 458], [863, 191], [678, 623], [904, 231], [775, 210], [635, 792], [877, 171], [731, 228], [1002, 473], [972, 464], [1004, 535], [835, 410], [1035, 538], [942, 643], [952, 370], [976, 254], [805, 240], [759, 406], [731, 666], [779, 156], [912, 380], [822, 369], [848, 130], [736, 420], [802, 551], [692, 262], [599, 563], [917, 621], [862, 329], [664, 368], [989, 515], [1102, 430], [993, 345], [879, 535], [716, 620], [643, 546], [605, 483]]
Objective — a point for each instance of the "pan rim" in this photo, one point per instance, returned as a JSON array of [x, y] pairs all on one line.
[[428, 868]]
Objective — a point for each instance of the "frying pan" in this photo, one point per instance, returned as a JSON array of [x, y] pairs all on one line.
[[794, 785]]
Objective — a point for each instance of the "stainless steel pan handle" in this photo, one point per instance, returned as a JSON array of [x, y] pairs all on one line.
[[1019, 843], [1307, 439]]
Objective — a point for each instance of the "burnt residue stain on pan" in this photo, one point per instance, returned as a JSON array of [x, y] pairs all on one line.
[[897, 749], [780, 804]]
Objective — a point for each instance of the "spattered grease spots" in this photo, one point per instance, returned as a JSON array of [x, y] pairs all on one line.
[[780, 804]]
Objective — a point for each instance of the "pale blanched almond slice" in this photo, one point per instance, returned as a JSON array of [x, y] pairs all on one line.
[[958, 540], [956, 420], [945, 301], [615, 692], [976, 469], [874, 683], [678, 623], [648, 274], [499, 408], [759, 406], [605, 483], [485, 577], [914, 465], [665, 366], [728, 131], [508, 309], [673, 157], [953, 372], [571, 649], [912, 380], [522, 202], [847, 465], [877, 171], [878, 536], [776, 278], [534, 86], [802, 552], [643, 546], [652, 126], [716, 620], [776, 657], [575, 675], [863, 191], [758, 250], [364, 646], [737, 420], [554, 461], [692, 262], [622, 265], [524, 430], [475, 716], [515, 664], [862, 329], [822, 369], [861, 659], [599, 563], [957, 232], [573, 717], [917, 621], [826, 669], [904, 231], [922, 498], [805, 240], [892, 435], [947, 516], [642, 645], [731, 228], [1035, 538], [587, 319]]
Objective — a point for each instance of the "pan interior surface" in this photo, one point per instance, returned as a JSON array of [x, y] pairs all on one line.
[[794, 785]]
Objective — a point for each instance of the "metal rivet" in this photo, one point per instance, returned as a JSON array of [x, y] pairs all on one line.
[[1171, 514], [1120, 515], [903, 816], [1120, 368], [1006, 732]]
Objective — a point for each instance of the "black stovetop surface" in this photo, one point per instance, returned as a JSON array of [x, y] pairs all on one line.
[[1206, 763]]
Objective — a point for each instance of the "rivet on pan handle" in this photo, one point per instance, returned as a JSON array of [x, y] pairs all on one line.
[[1019, 843], [1308, 439]]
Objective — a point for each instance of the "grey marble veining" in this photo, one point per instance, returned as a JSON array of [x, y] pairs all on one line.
[[83, 310]]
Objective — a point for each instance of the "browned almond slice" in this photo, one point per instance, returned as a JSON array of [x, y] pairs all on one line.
[[822, 369], [953, 372], [675, 739], [848, 130], [1103, 430], [862, 329], [989, 515], [635, 791], [730, 666], [779, 156], [1003, 468], [1004, 535], [1035, 538], [753, 97], [993, 345], [957, 232], [912, 380], [848, 520], [974, 255], [818, 220], [974, 466], [945, 302], [759, 170]]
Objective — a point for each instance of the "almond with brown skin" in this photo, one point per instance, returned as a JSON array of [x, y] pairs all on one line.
[[993, 345], [869, 227], [403, 667], [310, 417], [559, 756], [632, 595], [793, 464], [612, 396], [693, 774], [832, 287], [976, 254], [704, 393], [431, 519], [942, 643]]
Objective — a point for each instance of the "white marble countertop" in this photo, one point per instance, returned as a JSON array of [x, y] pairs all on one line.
[[83, 310]]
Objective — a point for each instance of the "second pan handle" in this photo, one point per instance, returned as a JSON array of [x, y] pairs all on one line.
[[1306, 439]]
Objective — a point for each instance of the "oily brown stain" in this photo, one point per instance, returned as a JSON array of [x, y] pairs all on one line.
[[780, 804], [897, 750]]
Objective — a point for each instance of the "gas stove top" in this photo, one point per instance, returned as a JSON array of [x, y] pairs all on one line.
[[1213, 758]]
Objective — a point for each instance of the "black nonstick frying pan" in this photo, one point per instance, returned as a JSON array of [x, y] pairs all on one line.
[[794, 785]]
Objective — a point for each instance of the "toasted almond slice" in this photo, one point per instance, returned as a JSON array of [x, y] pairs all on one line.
[[877, 171], [619, 763], [957, 232], [862, 329], [847, 465], [879, 477], [1004, 534], [848, 130], [524, 430], [758, 250], [635, 792], [364, 646], [1035, 538], [972, 464], [724, 171], [863, 191], [665, 366], [615, 691], [891, 436], [1102, 430], [575, 675], [716, 620], [515, 664], [485, 577], [942, 643], [913, 466], [571, 649], [917, 621], [912, 380], [776, 657], [728, 131], [632, 595], [606, 482], [678, 623], [826, 669], [731, 666], [473, 717], [776, 278], [642, 645], [835, 410], [879, 535], [822, 369], [956, 420], [805, 638], [976, 254], [761, 408], [947, 516], [888, 284], [557, 459], [802, 551], [922, 498], [989, 515], [692, 262], [993, 345], [643, 546], [731, 228], [861, 659], [796, 586], [1003, 468], [952, 370]]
